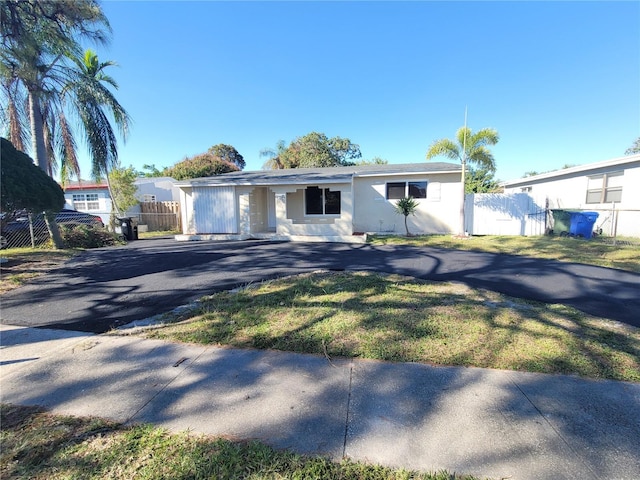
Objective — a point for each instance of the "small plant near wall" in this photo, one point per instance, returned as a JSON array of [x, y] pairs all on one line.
[[406, 206]]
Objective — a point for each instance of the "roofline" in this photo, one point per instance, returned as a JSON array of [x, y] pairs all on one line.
[[394, 174], [568, 171], [340, 178], [92, 186]]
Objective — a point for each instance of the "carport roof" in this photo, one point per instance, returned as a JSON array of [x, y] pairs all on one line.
[[301, 176]]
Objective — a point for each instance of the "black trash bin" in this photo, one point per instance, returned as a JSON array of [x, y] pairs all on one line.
[[129, 231]]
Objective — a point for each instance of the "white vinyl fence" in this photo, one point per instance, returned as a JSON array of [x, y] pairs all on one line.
[[504, 214]]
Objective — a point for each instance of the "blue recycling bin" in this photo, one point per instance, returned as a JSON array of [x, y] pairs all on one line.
[[582, 223]]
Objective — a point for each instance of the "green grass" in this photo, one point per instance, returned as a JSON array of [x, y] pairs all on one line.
[[37, 445], [402, 319], [598, 251], [163, 233]]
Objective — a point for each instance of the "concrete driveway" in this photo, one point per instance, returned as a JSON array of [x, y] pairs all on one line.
[[105, 288]]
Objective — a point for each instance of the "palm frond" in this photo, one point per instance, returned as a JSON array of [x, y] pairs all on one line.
[[444, 147]]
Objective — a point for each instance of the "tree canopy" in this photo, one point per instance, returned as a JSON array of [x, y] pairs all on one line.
[[24, 185], [229, 154], [202, 165], [123, 187], [635, 148], [38, 39], [313, 150], [481, 180]]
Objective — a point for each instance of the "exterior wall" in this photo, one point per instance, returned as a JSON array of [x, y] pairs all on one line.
[[569, 192], [292, 220], [438, 213], [104, 202], [162, 188]]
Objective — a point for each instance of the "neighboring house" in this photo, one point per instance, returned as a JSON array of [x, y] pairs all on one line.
[[157, 189], [329, 204], [610, 188], [89, 197]]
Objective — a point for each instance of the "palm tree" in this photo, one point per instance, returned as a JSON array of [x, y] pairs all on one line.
[[469, 148], [88, 94], [36, 38], [406, 206], [274, 157]]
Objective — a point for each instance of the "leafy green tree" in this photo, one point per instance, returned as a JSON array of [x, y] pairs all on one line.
[[634, 148], [203, 165], [37, 39], [122, 181], [228, 154], [469, 147], [150, 171], [406, 206], [317, 150], [25, 186], [481, 180]]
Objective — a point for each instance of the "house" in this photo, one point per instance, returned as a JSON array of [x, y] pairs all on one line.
[[89, 197], [93, 197], [609, 188], [326, 204]]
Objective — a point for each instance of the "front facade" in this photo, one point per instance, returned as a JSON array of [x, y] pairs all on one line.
[[334, 204], [89, 197], [609, 188]]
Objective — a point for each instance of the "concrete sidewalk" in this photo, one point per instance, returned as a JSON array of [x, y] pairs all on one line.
[[488, 423]]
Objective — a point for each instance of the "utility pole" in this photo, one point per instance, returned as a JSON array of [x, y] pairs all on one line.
[[464, 165]]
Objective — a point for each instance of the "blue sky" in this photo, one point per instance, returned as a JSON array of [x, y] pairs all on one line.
[[560, 81]]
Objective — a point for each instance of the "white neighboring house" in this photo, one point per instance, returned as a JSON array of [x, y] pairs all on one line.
[[610, 188], [324, 204], [91, 197]]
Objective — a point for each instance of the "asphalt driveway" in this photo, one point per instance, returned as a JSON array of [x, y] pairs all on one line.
[[105, 288]]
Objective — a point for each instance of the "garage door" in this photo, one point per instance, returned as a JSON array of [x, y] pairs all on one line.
[[215, 210]]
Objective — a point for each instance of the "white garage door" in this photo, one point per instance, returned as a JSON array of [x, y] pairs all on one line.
[[215, 210]]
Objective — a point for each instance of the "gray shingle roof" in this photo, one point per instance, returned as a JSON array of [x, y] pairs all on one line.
[[319, 175]]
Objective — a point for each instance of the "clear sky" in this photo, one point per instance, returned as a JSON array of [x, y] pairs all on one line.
[[560, 81]]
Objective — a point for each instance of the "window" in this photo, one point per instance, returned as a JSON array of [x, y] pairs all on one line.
[[87, 201], [605, 188], [79, 202], [148, 198], [321, 201], [92, 201], [398, 190]]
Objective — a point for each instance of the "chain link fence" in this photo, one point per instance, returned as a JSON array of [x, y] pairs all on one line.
[[26, 229]]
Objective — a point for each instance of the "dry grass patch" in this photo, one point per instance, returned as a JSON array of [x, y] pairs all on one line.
[[24, 264], [403, 319]]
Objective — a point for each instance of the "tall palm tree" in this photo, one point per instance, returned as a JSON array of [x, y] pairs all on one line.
[[90, 98], [468, 147]]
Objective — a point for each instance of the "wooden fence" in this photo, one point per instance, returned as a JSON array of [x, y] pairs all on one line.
[[159, 216]]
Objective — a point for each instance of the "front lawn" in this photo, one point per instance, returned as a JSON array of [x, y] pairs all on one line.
[[403, 319]]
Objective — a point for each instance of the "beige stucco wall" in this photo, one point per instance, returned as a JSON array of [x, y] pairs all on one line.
[[438, 213], [293, 221]]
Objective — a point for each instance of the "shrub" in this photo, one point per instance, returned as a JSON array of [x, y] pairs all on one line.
[[83, 236]]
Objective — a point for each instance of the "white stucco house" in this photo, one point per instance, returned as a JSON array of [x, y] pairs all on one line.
[[324, 204], [93, 197], [611, 188]]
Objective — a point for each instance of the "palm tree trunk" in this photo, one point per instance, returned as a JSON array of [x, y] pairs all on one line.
[[39, 149], [54, 231]]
